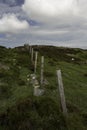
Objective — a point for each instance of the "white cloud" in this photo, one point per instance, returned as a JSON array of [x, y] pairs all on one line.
[[9, 23], [63, 21], [46, 10]]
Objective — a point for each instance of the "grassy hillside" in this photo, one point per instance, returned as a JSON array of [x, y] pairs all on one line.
[[21, 110]]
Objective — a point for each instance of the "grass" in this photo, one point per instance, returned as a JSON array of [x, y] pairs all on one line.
[[20, 110]]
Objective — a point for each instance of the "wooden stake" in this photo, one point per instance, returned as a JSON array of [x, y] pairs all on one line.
[[30, 49], [32, 55], [42, 69], [36, 54], [61, 91]]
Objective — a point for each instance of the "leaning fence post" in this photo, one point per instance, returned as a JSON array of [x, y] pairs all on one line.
[[61, 91], [36, 54], [42, 69]]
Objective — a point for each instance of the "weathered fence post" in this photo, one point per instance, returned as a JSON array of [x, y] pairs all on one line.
[[42, 69], [30, 49], [61, 91], [36, 54], [32, 54]]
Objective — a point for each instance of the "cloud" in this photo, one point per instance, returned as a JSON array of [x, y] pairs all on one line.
[[11, 24], [12, 2], [62, 22], [46, 10]]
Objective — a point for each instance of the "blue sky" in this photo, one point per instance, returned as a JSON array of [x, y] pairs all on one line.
[[52, 22]]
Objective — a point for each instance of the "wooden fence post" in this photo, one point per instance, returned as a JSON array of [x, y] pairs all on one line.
[[32, 51], [61, 91], [36, 54], [42, 69]]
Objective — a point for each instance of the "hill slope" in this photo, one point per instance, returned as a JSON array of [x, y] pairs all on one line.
[[20, 110]]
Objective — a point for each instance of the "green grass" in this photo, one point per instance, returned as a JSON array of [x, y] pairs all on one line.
[[20, 110]]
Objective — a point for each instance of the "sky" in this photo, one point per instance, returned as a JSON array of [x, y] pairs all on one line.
[[47, 22]]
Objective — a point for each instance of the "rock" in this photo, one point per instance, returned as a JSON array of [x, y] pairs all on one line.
[[38, 92], [5, 67], [28, 79], [45, 82], [73, 59]]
